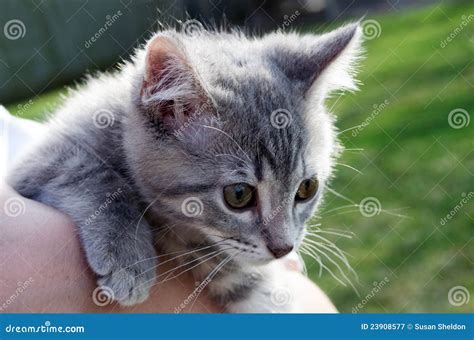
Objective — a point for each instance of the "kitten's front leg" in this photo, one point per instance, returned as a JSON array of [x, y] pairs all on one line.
[[117, 241], [119, 248]]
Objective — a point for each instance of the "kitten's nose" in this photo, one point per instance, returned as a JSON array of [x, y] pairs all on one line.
[[280, 251]]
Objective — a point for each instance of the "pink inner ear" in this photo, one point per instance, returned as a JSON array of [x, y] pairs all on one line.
[[161, 54], [161, 51], [170, 90]]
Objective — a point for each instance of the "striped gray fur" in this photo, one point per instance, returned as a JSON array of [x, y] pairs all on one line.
[[188, 115]]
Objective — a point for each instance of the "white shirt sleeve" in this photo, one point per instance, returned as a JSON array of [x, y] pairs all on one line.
[[16, 135]]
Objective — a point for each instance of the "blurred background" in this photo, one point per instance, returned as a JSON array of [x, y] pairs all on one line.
[[402, 204]]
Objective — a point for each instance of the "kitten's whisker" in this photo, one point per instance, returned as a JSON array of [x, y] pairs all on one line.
[[347, 234], [332, 248], [343, 213], [335, 264], [172, 253], [342, 257], [349, 129], [141, 217], [334, 229], [350, 167], [160, 235], [388, 212], [344, 277], [187, 253], [339, 208], [196, 265], [305, 270], [328, 243], [354, 149], [206, 258], [305, 252], [210, 276], [170, 271], [320, 262], [334, 192]]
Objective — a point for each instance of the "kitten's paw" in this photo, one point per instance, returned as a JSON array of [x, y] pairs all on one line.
[[126, 270], [129, 286]]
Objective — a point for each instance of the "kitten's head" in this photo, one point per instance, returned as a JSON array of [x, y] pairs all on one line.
[[230, 136]]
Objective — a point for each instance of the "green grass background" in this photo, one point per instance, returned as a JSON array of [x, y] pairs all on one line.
[[413, 162]]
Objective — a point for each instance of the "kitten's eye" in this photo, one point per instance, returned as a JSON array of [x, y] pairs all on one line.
[[307, 189], [239, 196]]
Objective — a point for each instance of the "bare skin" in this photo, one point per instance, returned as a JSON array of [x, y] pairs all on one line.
[[42, 269]]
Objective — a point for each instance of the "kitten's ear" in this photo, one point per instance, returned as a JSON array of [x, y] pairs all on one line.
[[170, 90], [321, 64]]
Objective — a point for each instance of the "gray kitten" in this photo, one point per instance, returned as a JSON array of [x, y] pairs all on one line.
[[217, 141]]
